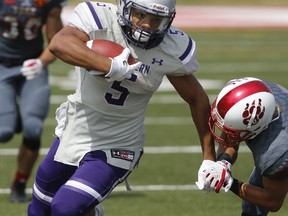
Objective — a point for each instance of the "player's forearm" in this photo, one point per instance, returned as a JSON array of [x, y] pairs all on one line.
[[53, 23], [229, 154], [255, 195], [74, 52], [69, 45], [199, 113], [85, 59], [208, 147], [46, 57]]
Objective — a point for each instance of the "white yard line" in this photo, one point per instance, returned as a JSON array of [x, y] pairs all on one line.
[[147, 150], [121, 188]]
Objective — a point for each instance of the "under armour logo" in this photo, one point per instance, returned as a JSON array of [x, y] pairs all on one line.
[[154, 61], [255, 111]]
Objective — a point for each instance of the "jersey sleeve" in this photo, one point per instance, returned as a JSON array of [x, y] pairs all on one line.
[[82, 18], [270, 149], [189, 57], [184, 49], [91, 16]]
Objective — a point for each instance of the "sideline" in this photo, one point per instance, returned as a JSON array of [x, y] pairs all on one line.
[[207, 16]]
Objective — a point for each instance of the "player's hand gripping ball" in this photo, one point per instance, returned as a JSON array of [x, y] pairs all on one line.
[[112, 50]]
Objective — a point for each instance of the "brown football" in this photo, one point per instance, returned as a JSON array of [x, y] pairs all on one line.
[[108, 48]]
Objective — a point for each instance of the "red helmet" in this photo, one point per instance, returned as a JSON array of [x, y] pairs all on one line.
[[242, 110]]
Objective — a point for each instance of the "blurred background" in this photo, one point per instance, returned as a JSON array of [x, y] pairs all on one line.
[[234, 39]]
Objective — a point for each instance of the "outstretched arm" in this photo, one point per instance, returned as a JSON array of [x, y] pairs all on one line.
[[270, 197], [192, 92]]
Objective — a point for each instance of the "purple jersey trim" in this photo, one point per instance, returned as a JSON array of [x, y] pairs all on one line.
[[95, 16], [187, 51]]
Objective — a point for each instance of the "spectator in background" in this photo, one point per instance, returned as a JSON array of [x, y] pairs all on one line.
[[24, 89]]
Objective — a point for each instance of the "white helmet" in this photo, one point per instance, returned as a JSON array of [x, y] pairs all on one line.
[[242, 110], [165, 9]]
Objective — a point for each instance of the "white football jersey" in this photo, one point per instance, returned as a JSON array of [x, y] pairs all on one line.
[[104, 115]]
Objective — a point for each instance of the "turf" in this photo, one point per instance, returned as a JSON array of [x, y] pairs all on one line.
[[223, 55]]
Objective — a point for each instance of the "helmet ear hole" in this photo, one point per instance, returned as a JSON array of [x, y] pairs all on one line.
[[243, 109], [276, 114]]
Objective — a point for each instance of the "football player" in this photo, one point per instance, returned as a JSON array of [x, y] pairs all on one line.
[[100, 133], [24, 90], [255, 111]]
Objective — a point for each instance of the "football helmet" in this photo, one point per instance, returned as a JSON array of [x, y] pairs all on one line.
[[163, 9], [242, 110]]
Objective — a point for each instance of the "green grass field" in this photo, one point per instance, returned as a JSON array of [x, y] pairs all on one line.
[[223, 55]]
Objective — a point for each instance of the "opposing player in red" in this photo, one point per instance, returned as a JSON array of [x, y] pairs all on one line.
[[24, 88], [254, 111], [100, 134]]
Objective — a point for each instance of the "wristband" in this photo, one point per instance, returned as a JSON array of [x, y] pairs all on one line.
[[225, 156], [236, 186]]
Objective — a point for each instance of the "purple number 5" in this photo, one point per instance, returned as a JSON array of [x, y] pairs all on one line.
[[119, 100]]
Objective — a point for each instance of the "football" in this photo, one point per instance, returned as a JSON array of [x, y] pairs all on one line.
[[108, 48]]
